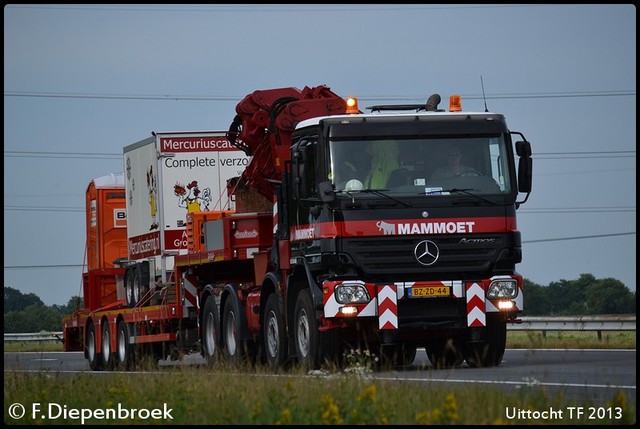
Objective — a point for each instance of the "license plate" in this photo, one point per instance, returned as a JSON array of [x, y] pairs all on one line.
[[429, 291]]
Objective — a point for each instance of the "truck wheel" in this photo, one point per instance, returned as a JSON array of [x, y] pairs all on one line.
[[305, 331], [139, 290], [95, 360], [489, 352], [124, 352], [108, 360], [233, 347], [275, 339], [129, 287], [210, 324], [445, 353]]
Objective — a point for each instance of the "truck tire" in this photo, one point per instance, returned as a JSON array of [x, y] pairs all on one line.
[[124, 350], [445, 354], [108, 359], [274, 335], [131, 302], [139, 290], [210, 326], [489, 352], [233, 347], [306, 333], [95, 360]]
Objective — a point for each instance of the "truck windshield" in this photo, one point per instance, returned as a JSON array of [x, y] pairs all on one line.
[[430, 167]]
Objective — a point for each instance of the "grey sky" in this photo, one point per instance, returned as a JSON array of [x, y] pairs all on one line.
[[83, 81]]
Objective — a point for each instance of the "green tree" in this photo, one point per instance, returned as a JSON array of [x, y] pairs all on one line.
[[536, 299], [564, 295], [75, 302], [14, 300], [34, 318], [609, 296]]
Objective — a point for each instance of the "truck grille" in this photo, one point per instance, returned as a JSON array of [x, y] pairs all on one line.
[[393, 259]]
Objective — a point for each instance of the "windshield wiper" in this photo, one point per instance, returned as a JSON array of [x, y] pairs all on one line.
[[464, 191], [381, 192]]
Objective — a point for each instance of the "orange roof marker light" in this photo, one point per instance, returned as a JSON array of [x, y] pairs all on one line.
[[455, 103], [352, 105]]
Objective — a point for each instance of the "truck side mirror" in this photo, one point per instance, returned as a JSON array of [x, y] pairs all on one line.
[[525, 166], [523, 148], [327, 194], [525, 176]]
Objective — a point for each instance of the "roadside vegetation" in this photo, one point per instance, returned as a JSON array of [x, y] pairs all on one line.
[[226, 396]]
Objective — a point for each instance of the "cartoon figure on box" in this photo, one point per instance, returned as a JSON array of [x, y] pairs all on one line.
[[153, 198], [189, 197]]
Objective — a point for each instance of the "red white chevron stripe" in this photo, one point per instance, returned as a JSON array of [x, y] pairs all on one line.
[[275, 214], [387, 307], [190, 291], [476, 316]]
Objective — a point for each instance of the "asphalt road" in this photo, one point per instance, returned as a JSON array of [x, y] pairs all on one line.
[[580, 375]]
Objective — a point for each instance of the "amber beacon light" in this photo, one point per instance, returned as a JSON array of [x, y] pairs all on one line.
[[352, 105], [455, 103]]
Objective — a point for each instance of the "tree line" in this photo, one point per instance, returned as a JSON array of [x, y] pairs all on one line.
[[583, 296]]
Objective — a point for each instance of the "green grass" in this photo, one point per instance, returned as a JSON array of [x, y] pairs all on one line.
[[229, 396], [33, 346], [571, 340]]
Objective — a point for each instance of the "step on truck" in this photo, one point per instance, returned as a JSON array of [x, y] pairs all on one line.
[[387, 231]]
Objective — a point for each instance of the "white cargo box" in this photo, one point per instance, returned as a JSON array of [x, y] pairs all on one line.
[[167, 176]]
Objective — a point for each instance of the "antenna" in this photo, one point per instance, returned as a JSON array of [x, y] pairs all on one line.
[[483, 97]]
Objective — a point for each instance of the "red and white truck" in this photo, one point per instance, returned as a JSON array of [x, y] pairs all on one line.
[[342, 235]]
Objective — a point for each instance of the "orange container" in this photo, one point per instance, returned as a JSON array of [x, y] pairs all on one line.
[[106, 222]]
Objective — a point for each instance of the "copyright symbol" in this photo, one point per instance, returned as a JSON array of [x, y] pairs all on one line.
[[16, 411]]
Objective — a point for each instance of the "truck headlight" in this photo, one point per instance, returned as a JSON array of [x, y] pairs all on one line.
[[503, 288], [351, 293]]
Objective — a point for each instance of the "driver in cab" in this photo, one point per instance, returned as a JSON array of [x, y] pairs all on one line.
[[454, 166]]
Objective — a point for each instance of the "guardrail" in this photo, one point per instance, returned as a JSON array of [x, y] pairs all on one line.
[[34, 336], [575, 323], [534, 323]]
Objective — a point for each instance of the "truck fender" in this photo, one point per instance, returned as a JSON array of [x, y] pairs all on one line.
[[270, 284], [301, 270], [206, 292]]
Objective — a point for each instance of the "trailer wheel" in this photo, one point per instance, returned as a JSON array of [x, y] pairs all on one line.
[[139, 290], [210, 325], [95, 360], [124, 352], [488, 353], [233, 347], [274, 335], [445, 353], [129, 287], [305, 331], [108, 359]]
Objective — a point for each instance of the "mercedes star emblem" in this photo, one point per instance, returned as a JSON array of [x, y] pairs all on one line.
[[426, 252]]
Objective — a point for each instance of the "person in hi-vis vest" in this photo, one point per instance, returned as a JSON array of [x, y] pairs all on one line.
[[384, 160]]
